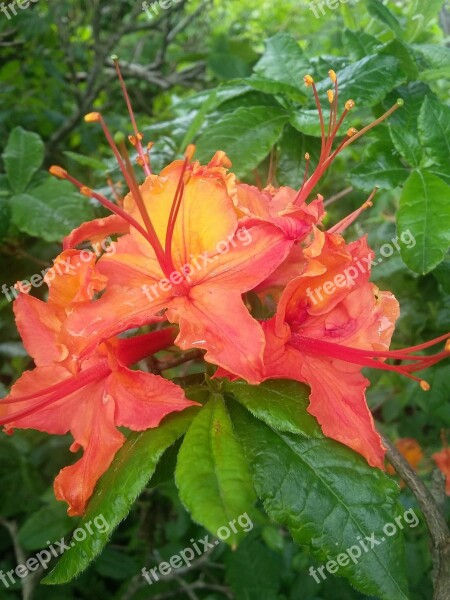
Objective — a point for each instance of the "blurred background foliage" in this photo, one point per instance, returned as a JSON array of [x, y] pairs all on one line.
[[214, 72]]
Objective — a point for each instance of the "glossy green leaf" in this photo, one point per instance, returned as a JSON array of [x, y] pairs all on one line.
[[117, 490], [291, 160], [212, 475], [22, 156], [381, 169], [246, 135], [378, 10], [425, 211], [306, 120], [434, 131], [280, 405], [284, 62], [434, 61], [50, 523], [366, 81], [51, 210], [403, 127], [360, 43], [328, 497]]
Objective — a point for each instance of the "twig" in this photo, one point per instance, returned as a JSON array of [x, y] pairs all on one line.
[[437, 526], [179, 360]]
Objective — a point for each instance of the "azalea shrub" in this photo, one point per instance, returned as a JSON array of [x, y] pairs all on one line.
[[209, 328]]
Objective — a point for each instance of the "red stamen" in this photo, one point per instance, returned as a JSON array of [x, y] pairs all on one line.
[[348, 220], [176, 204], [369, 358], [145, 165]]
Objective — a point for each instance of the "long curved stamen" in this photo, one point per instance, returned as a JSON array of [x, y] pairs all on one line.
[[176, 204], [119, 211], [326, 159], [144, 162], [349, 219], [369, 358]]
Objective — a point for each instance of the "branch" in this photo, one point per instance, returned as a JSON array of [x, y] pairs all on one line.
[[437, 526]]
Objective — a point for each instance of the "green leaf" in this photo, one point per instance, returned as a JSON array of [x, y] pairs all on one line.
[[254, 572], [434, 61], [434, 131], [198, 120], [246, 135], [281, 406], [50, 523], [291, 161], [51, 210], [403, 123], [425, 211], [380, 168], [327, 496], [366, 81], [360, 43], [378, 10], [212, 475], [405, 55], [5, 217], [306, 120], [277, 88], [117, 490], [23, 156], [283, 62], [86, 161]]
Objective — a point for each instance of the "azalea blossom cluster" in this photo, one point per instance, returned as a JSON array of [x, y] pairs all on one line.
[[85, 338]]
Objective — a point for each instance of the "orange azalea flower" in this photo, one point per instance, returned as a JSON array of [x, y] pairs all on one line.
[[90, 399], [186, 255], [324, 338]]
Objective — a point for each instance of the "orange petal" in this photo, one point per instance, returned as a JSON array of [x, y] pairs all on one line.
[[39, 328], [143, 399], [96, 231], [217, 320], [442, 459], [94, 431]]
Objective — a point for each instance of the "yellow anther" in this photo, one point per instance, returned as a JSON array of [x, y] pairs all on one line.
[[141, 161], [93, 117], [58, 172], [425, 385], [140, 136], [307, 156], [332, 75], [132, 140], [86, 191], [349, 105], [150, 145], [330, 95], [351, 132], [447, 346], [308, 80]]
